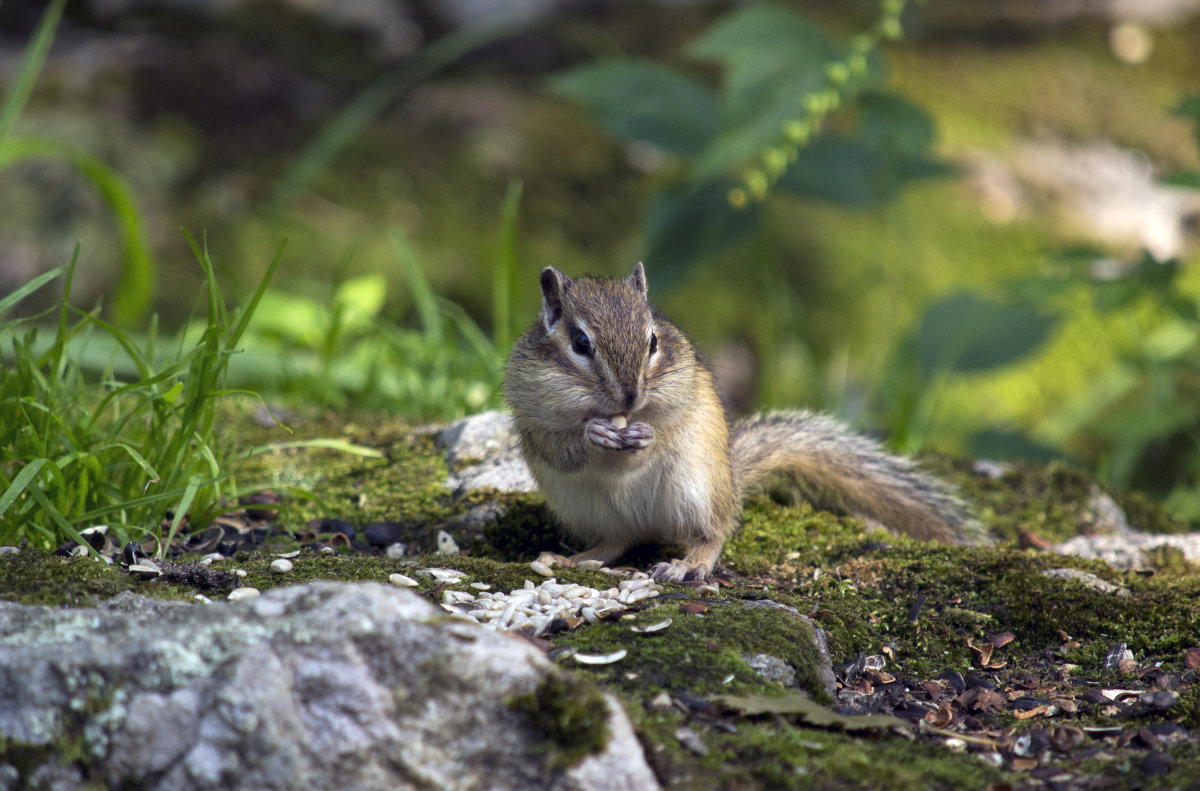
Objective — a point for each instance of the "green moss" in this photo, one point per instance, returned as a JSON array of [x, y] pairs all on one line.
[[406, 483], [699, 654], [769, 752], [571, 713], [33, 576]]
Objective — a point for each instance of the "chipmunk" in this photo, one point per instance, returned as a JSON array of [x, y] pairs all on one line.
[[620, 423]]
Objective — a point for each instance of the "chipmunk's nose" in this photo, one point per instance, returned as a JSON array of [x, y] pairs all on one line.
[[631, 397]]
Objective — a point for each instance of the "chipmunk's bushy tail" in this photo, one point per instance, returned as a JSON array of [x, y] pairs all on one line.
[[837, 469]]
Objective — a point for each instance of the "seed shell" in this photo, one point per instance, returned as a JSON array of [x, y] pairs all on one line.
[[601, 659]]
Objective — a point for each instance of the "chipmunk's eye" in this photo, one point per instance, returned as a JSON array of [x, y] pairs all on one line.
[[653, 343], [580, 342]]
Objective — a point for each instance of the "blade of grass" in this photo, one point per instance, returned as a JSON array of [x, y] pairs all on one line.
[[185, 502], [31, 66], [504, 285], [249, 308], [423, 297], [21, 483], [339, 131], [320, 442], [138, 269], [33, 285]]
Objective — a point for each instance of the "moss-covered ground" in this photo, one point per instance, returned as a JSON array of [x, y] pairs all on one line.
[[926, 609]]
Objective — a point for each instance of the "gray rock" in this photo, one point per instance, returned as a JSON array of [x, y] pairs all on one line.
[[1107, 516], [476, 437], [1087, 579], [326, 686], [484, 450], [772, 668], [1128, 551]]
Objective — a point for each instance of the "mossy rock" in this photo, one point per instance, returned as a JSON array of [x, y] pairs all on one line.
[[925, 608]]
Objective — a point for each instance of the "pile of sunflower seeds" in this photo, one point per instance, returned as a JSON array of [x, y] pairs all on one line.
[[546, 607]]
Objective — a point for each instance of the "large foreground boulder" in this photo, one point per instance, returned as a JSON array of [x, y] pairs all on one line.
[[327, 686]]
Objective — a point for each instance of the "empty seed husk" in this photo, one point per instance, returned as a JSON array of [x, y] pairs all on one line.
[[601, 659], [651, 628]]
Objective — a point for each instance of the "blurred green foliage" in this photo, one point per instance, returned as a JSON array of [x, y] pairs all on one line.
[[338, 349], [781, 76], [138, 274]]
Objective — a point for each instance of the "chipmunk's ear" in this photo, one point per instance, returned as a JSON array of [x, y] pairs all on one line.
[[638, 278], [554, 283]]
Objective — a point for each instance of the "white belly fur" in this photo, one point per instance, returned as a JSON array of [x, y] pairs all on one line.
[[652, 498]]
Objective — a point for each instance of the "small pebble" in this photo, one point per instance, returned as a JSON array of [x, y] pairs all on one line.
[[481, 586], [396, 550], [243, 593], [541, 568], [289, 555], [662, 701], [281, 566], [328, 551], [241, 573], [10, 550], [211, 557], [402, 581], [590, 565], [691, 740], [200, 597]]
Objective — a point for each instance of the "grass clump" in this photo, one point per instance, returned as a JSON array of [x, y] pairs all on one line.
[[77, 451]]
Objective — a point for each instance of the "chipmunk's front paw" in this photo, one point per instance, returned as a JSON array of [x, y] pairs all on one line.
[[603, 433], [637, 436]]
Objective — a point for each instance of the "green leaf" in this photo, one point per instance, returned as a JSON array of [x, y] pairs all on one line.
[[890, 148], [686, 225], [968, 333], [641, 101], [1189, 107], [172, 395], [296, 319], [892, 123], [998, 444], [773, 60], [852, 173], [360, 299]]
